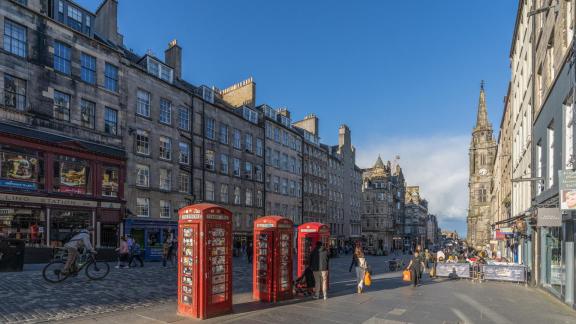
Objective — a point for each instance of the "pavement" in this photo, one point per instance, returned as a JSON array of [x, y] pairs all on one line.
[[148, 295]]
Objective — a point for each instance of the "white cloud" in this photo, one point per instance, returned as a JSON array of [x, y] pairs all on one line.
[[438, 164]]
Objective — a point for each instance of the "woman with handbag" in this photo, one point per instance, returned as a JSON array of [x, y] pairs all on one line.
[[361, 266], [416, 266]]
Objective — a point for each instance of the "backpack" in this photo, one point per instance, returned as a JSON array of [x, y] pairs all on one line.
[[135, 249], [69, 236]]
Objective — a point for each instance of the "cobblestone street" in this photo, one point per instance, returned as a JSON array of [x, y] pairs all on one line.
[[147, 295]]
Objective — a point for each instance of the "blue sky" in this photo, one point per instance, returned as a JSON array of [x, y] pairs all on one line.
[[404, 75]]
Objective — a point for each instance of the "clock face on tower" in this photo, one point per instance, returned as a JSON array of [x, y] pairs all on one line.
[[483, 172]]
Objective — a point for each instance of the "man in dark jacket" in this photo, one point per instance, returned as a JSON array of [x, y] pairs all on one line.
[[319, 265]]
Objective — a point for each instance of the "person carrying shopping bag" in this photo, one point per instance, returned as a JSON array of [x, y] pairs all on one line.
[[416, 265], [361, 266]]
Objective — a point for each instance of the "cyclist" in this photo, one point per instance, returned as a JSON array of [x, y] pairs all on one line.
[[78, 241]]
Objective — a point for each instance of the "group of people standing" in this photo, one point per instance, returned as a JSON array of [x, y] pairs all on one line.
[[128, 251]]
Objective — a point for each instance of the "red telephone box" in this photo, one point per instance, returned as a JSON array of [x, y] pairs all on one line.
[[205, 261], [308, 235], [272, 268]]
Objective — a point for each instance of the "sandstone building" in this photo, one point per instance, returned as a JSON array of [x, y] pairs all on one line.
[[482, 154]]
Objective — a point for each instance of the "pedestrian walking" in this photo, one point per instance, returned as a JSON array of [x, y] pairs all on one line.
[[361, 266], [415, 266], [171, 248], [249, 252], [123, 253], [135, 253], [319, 265], [166, 252]]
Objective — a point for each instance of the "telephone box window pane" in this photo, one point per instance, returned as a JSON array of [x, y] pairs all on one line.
[[188, 256], [218, 262]]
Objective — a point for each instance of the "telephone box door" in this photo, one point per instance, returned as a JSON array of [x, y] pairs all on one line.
[[285, 269], [305, 246], [188, 269], [264, 246], [218, 277]]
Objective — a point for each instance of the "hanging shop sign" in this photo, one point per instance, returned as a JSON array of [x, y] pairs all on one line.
[[507, 230], [549, 217], [567, 189]]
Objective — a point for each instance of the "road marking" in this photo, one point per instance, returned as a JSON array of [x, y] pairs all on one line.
[[376, 320], [461, 316], [397, 311], [495, 317], [150, 318]]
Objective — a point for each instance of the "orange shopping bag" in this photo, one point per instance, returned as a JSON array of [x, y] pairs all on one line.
[[406, 275]]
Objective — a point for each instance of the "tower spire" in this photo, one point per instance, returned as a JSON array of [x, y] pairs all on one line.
[[482, 117]]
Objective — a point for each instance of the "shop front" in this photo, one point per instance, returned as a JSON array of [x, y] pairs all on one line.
[[556, 236], [151, 234], [52, 185]]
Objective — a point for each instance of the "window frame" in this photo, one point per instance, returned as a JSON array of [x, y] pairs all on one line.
[[65, 109], [20, 48], [62, 58], [143, 103], [114, 122], [91, 115], [111, 77], [166, 111], [18, 97], [87, 71], [142, 167]]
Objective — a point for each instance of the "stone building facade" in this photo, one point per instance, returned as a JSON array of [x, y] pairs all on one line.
[[350, 182], [381, 208], [231, 153], [158, 140], [482, 154], [61, 125], [553, 143], [283, 164], [501, 187], [335, 212], [415, 215], [314, 172]]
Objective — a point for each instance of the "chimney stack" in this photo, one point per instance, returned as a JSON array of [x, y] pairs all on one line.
[[173, 57], [106, 22]]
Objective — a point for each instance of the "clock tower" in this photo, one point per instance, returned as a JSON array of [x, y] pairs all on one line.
[[482, 153]]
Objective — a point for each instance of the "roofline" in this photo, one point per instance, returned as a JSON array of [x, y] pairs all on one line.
[[515, 32]]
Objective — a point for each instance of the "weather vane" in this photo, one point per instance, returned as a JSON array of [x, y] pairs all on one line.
[[482, 82]]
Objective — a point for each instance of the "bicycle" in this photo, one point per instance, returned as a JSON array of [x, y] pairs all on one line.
[[95, 270]]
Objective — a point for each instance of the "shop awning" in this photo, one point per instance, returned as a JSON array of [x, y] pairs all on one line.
[[511, 219]]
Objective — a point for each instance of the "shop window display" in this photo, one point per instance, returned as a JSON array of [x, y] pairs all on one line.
[[110, 182], [63, 222], [23, 224], [556, 275], [21, 169], [72, 175]]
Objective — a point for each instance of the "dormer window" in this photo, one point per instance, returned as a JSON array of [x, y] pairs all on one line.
[[75, 18], [159, 70], [250, 115], [285, 121], [72, 16]]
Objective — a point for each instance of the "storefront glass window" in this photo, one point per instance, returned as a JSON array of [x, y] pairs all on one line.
[[72, 175], [554, 261], [109, 236], [21, 169], [63, 222], [110, 182], [23, 224]]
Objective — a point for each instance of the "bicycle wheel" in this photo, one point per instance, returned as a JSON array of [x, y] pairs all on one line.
[[97, 270], [52, 272]]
